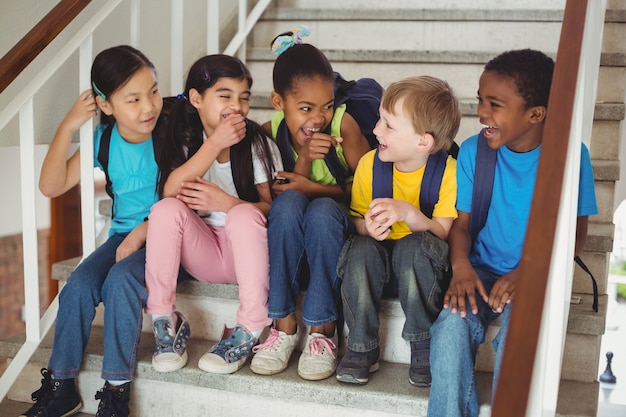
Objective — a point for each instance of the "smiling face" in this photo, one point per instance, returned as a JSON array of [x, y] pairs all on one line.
[[398, 141], [503, 113], [225, 97], [308, 108], [136, 106]]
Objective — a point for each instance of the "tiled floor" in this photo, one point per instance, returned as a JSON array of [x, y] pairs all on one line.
[[612, 402]]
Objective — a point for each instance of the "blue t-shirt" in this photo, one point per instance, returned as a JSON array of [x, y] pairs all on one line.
[[133, 173], [498, 246]]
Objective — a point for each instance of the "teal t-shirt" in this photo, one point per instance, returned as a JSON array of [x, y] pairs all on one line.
[[133, 173]]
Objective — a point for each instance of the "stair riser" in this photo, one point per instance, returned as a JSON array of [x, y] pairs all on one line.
[[414, 35]]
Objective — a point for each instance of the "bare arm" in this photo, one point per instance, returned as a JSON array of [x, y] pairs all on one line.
[[58, 172]]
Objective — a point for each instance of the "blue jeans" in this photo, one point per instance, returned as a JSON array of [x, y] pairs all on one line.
[[414, 269], [121, 287], [301, 234], [453, 347]]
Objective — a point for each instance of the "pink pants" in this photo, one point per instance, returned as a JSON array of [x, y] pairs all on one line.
[[236, 254]]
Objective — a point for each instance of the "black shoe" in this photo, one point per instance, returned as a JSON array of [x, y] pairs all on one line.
[[419, 372], [113, 400], [55, 398], [355, 367]]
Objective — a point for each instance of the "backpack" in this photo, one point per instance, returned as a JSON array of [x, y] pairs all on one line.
[[486, 158], [105, 142], [362, 100]]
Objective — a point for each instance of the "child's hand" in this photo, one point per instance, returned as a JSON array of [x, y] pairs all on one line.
[[463, 287], [230, 131], [204, 195], [318, 146], [290, 181], [382, 213], [83, 109], [503, 290], [132, 242]]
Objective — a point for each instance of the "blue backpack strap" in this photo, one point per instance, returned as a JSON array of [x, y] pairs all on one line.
[[431, 182], [284, 146], [483, 184], [382, 178]]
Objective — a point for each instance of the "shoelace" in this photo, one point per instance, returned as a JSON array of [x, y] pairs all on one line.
[[107, 406], [272, 342], [318, 344], [165, 334]]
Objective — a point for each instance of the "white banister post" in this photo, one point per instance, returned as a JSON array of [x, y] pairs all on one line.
[[29, 224], [135, 22], [176, 55], [87, 194], [213, 27], [241, 29]]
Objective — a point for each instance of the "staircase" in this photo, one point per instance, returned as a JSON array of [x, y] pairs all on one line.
[[387, 42]]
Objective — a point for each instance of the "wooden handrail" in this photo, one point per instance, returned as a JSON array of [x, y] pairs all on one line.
[[518, 359], [35, 41]]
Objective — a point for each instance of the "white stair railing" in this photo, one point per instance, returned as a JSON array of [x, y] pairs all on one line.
[[22, 106]]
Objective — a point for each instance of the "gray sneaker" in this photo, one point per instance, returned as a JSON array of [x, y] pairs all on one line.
[[355, 367], [230, 353], [419, 372], [170, 352]]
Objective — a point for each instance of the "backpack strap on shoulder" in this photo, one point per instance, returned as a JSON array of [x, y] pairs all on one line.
[[431, 182], [382, 178], [103, 157], [284, 145], [483, 184]]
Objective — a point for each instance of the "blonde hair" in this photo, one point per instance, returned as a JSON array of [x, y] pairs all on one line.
[[431, 105]]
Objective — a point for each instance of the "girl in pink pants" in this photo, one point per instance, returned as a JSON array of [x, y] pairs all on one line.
[[216, 171]]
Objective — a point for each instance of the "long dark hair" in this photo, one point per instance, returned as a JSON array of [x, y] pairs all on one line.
[[111, 70], [183, 135]]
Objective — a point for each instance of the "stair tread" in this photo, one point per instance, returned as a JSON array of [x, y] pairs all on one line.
[[388, 389]]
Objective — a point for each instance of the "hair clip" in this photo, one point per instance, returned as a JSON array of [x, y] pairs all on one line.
[[206, 76], [284, 42], [181, 96], [98, 92]]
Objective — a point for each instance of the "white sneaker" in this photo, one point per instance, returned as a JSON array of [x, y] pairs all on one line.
[[319, 358], [272, 356]]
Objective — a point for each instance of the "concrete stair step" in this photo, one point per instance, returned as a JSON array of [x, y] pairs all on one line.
[[198, 393], [209, 306], [422, 4]]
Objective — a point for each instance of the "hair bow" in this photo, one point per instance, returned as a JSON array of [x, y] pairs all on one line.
[[284, 42]]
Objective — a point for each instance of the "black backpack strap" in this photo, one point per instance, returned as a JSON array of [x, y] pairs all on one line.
[[284, 146], [593, 281], [483, 185], [431, 182], [103, 157], [382, 178]]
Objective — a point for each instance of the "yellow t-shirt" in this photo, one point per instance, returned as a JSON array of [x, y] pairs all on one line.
[[406, 187], [319, 170]]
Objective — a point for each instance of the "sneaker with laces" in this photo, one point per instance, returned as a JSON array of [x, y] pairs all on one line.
[[419, 372], [319, 358], [272, 356], [55, 398], [113, 400], [170, 352], [230, 353], [355, 367]]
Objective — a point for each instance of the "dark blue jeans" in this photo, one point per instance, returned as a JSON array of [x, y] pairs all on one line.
[[121, 287], [414, 268], [305, 234]]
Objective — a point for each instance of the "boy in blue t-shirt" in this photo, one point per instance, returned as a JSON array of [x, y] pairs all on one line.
[[400, 249], [512, 104]]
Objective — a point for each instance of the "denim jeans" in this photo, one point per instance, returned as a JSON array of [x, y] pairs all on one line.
[[121, 288], [414, 268], [305, 233], [453, 347]]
